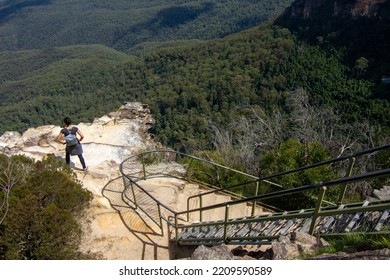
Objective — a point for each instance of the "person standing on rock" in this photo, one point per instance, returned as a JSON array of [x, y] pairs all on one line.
[[68, 136]]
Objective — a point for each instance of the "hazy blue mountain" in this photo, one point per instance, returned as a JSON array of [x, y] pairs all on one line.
[[122, 24]]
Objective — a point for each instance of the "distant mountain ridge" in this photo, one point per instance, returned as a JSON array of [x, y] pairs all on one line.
[[121, 24], [362, 27], [336, 19], [356, 8]]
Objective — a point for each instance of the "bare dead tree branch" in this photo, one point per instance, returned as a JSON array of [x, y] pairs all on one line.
[[10, 175]]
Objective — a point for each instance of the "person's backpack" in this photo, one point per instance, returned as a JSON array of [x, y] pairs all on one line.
[[71, 139]]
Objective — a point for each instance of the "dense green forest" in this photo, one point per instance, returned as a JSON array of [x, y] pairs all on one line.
[[122, 24], [364, 35], [254, 89], [188, 86], [194, 85], [271, 98], [41, 209]]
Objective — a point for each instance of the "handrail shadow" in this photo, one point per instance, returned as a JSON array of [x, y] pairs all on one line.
[[134, 221]]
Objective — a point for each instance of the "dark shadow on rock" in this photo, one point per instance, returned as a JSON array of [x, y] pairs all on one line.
[[133, 219], [180, 252]]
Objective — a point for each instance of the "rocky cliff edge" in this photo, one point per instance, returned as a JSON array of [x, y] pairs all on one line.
[[108, 141]]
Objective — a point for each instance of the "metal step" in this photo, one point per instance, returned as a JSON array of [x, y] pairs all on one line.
[[278, 224], [382, 220], [355, 218], [330, 222], [306, 225], [273, 226]]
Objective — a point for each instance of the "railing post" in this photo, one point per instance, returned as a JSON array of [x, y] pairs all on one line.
[[188, 209], [188, 169], [161, 222], [135, 198], [255, 203], [176, 229], [127, 186], [201, 211], [347, 174], [143, 166], [317, 210], [225, 231]]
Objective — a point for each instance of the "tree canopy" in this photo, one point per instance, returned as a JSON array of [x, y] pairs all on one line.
[[42, 205]]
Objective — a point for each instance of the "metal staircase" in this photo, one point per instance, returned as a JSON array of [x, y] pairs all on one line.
[[264, 223], [262, 229]]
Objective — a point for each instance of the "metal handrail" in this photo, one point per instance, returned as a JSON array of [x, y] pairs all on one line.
[[188, 156], [159, 203], [253, 199], [327, 162], [314, 213], [351, 158], [356, 178], [223, 189]]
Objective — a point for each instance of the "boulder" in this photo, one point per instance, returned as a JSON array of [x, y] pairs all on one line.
[[284, 249], [383, 193], [296, 245], [221, 252], [379, 194]]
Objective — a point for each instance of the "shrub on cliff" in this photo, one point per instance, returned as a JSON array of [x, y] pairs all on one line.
[[293, 154], [42, 203]]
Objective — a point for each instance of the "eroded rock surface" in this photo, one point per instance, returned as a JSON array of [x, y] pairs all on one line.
[[108, 141]]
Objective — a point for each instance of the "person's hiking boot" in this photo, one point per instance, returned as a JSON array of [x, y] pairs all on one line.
[[85, 168]]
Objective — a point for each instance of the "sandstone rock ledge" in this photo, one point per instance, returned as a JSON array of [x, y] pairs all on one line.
[[108, 141]]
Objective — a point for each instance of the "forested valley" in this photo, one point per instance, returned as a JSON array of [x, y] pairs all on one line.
[[123, 24], [188, 86], [199, 88], [277, 96]]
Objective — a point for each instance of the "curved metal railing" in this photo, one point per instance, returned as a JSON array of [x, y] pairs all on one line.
[[170, 163], [167, 163]]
